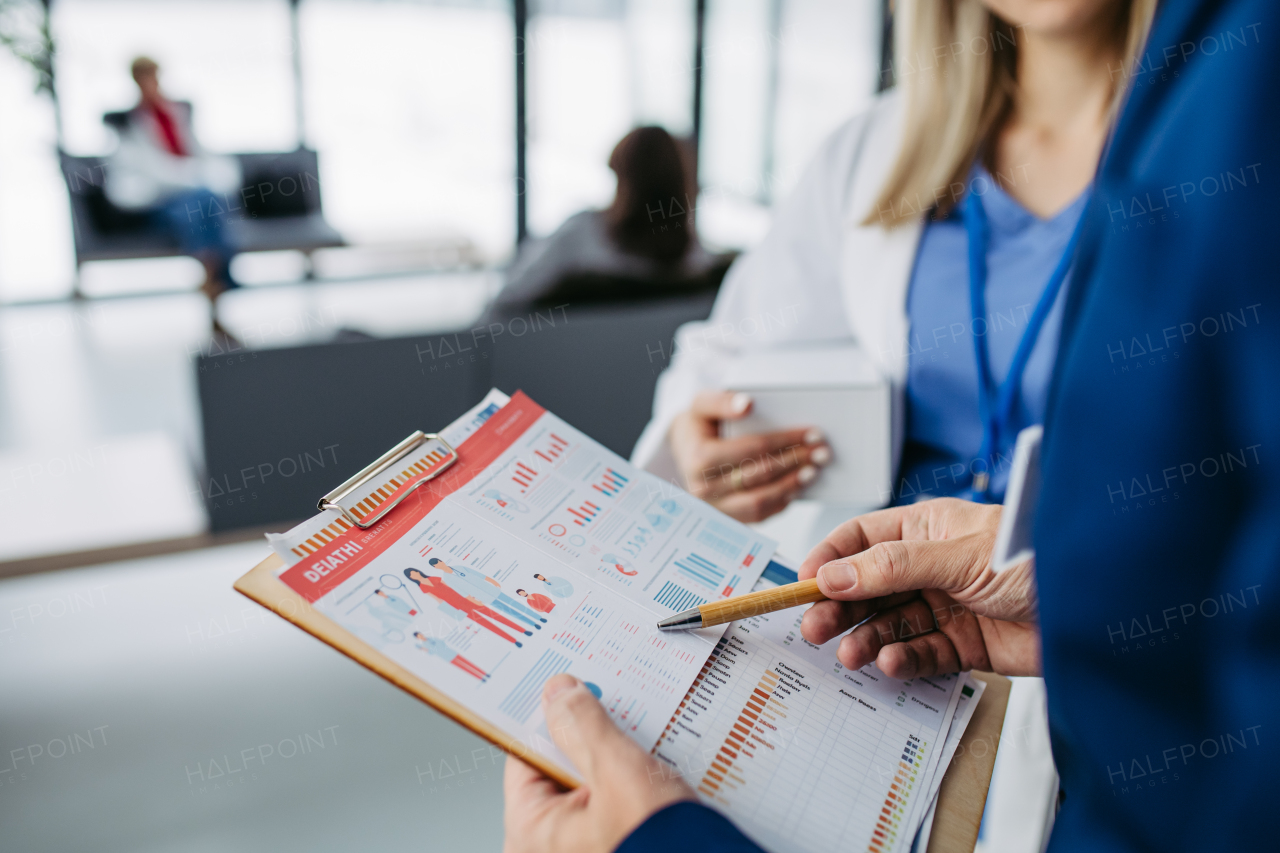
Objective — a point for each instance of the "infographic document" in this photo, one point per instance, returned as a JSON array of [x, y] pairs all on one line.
[[537, 552]]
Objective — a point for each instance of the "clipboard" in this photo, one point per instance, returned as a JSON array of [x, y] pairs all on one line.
[[962, 795], [262, 586]]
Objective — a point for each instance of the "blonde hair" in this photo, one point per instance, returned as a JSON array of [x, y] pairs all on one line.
[[955, 106]]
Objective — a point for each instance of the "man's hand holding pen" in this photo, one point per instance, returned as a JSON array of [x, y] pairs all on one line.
[[917, 582]]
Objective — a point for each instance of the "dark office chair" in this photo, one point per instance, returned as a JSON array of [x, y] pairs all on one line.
[[590, 288]]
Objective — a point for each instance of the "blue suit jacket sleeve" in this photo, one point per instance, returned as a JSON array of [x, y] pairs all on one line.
[[691, 826], [1157, 540]]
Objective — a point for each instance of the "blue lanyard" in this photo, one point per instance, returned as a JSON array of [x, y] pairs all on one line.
[[995, 403]]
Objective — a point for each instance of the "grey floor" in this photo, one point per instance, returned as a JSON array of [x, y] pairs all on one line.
[[110, 385], [75, 373], [146, 706]]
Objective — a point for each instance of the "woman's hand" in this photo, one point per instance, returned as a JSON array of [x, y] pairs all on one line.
[[623, 784], [750, 477], [924, 572]]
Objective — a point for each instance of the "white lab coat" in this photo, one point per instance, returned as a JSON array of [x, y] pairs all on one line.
[[818, 277], [821, 277], [142, 173]]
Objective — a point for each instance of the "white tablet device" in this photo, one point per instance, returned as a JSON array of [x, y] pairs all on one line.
[[839, 391]]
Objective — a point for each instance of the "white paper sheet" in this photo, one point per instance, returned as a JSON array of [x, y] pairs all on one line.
[[555, 556], [805, 755]]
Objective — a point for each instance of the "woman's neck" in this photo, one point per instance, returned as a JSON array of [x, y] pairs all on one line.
[[1055, 132], [1062, 77]]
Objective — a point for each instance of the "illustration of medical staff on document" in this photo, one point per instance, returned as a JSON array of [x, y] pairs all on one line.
[[477, 613]]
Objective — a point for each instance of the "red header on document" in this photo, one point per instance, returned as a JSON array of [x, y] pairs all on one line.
[[340, 559]]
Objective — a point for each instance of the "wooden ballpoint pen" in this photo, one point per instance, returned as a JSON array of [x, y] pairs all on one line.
[[744, 606]]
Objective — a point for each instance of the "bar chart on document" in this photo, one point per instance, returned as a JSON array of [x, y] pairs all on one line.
[[624, 663], [602, 637], [577, 501], [802, 753]]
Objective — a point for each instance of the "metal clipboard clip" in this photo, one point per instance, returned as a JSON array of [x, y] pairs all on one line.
[[387, 460]]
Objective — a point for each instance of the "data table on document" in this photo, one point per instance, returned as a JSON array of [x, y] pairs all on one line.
[[797, 753]]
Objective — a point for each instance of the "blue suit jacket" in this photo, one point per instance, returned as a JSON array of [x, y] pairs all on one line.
[[1158, 533]]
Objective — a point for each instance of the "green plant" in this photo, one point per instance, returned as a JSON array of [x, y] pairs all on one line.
[[24, 30]]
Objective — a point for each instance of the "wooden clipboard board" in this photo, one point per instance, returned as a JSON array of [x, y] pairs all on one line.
[[960, 800], [967, 779]]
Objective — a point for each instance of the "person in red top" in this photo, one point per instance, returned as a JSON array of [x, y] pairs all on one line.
[[475, 611], [537, 601], [160, 169]]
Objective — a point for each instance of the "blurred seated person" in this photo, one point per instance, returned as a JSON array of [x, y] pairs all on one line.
[[646, 233], [160, 168]]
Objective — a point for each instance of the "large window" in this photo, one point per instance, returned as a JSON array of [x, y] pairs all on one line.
[[230, 58], [780, 75], [596, 70], [35, 230], [411, 106]]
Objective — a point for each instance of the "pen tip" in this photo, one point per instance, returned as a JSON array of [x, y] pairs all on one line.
[[682, 621]]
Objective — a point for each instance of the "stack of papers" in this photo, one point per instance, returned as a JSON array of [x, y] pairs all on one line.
[[805, 755], [540, 552]]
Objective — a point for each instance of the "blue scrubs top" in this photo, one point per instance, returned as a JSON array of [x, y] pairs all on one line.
[[943, 425]]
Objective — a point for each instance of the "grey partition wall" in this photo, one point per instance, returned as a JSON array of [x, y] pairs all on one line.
[[597, 367], [284, 426]]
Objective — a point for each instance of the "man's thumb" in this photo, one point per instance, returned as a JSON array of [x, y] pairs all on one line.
[[579, 725]]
